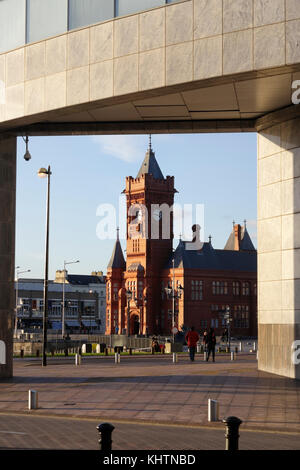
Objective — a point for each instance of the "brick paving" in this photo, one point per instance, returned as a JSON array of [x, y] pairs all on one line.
[[52, 433], [150, 394]]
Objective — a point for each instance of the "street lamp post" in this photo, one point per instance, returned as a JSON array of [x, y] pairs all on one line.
[[170, 291], [227, 319], [129, 297], [17, 295], [173, 299], [44, 173], [63, 305]]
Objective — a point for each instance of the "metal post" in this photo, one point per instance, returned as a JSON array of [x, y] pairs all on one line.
[[232, 432], [105, 441], [213, 410], [175, 358], [232, 355], [45, 316], [63, 305], [77, 360], [128, 317], [32, 400], [173, 299], [17, 295], [64, 298], [204, 355]]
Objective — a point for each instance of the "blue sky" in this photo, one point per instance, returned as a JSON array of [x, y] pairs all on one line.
[[216, 170]]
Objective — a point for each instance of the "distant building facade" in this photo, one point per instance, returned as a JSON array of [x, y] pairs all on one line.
[[155, 289], [85, 302]]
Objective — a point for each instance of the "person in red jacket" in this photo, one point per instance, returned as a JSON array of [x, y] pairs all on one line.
[[192, 339]]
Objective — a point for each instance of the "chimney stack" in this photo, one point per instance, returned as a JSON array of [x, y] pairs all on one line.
[[237, 236]]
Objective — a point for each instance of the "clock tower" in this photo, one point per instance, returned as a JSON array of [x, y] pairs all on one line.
[[150, 199]]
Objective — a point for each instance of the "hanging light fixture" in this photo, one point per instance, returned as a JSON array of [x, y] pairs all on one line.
[[27, 155]]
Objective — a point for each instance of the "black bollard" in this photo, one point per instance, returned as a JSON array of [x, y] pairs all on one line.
[[105, 430], [232, 432]]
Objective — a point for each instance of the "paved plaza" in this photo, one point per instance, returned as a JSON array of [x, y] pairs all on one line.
[[152, 402]]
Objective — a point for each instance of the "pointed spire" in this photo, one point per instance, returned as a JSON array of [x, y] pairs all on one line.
[[117, 259], [245, 222], [209, 239], [118, 231], [150, 165]]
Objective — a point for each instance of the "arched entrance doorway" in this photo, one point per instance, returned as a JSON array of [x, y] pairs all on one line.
[[134, 324]]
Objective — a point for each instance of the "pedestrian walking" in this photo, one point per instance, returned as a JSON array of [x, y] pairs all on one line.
[[192, 339], [225, 335], [211, 344], [204, 341]]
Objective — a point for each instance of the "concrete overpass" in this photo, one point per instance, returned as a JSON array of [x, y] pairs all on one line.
[[190, 66]]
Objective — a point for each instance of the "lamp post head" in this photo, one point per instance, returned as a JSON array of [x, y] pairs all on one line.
[[180, 290], [27, 156], [168, 290], [129, 294], [43, 172]]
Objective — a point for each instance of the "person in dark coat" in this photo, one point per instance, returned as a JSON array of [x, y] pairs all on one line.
[[211, 344], [204, 341]]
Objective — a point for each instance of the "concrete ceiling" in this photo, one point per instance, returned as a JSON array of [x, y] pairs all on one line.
[[245, 99], [226, 105]]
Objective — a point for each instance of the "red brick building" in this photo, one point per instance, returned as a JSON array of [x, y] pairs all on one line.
[[156, 288]]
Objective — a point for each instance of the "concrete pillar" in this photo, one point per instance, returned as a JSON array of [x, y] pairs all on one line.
[[8, 149], [279, 247]]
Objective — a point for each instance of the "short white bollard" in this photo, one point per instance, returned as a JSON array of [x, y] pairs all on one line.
[[232, 356], [205, 356], [32, 400], [77, 359], [254, 346], [241, 346], [175, 358], [117, 358], [213, 410]]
